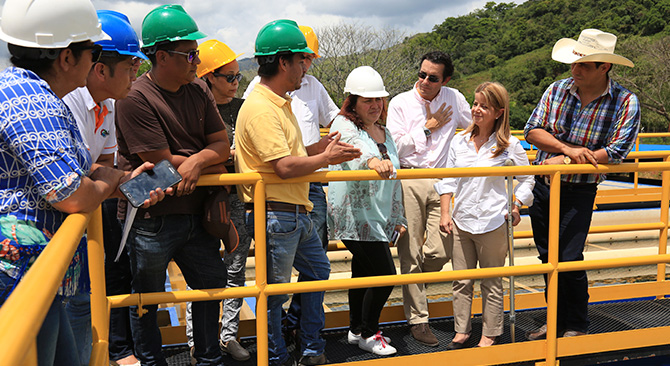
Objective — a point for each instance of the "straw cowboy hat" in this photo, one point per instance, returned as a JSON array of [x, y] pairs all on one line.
[[593, 45]]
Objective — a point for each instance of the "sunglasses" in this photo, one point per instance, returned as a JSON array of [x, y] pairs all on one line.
[[431, 78], [96, 50], [190, 55], [229, 77], [383, 150]]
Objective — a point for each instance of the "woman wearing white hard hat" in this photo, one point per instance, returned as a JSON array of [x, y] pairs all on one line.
[[367, 215], [46, 166]]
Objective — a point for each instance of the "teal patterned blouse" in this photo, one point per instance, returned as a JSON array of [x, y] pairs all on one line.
[[364, 210]]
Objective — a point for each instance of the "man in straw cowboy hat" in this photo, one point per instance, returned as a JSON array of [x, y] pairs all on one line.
[[585, 119]]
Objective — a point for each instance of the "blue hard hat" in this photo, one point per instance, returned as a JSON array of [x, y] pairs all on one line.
[[124, 39]]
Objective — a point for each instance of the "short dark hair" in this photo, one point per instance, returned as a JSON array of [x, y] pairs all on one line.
[[439, 57], [165, 46], [601, 63], [269, 65], [111, 59], [40, 60]]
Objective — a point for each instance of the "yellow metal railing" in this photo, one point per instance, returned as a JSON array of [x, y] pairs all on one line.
[[23, 313], [18, 346]]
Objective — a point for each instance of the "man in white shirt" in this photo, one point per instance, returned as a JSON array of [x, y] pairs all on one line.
[[313, 108], [93, 108], [422, 122]]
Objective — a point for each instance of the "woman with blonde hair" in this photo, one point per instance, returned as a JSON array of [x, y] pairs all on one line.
[[480, 212]]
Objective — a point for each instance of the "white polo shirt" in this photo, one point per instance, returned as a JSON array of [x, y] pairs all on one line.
[[101, 139]]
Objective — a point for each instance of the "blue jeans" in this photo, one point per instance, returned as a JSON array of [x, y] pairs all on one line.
[[318, 216], [55, 341], [78, 310], [152, 243], [575, 219], [293, 242]]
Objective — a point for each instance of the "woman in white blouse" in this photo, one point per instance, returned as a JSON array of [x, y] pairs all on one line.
[[478, 221]]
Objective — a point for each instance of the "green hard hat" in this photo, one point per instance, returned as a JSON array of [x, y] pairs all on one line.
[[169, 23], [280, 36]]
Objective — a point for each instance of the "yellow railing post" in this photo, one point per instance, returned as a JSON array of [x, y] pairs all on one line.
[[99, 304], [663, 235], [262, 356], [552, 277], [637, 160]]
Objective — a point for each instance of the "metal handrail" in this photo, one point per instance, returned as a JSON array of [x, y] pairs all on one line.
[[17, 346], [25, 309]]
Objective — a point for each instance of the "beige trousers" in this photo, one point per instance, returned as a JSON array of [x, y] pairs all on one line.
[[425, 248], [490, 249]]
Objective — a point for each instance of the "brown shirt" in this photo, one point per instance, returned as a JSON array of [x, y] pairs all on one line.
[[151, 119]]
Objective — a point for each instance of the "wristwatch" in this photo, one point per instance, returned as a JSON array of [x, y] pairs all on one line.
[[518, 204], [427, 131], [567, 160]]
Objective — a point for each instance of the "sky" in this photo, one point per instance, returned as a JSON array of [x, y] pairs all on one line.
[[236, 23]]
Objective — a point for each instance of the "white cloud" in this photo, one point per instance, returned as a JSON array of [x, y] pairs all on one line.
[[236, 23]]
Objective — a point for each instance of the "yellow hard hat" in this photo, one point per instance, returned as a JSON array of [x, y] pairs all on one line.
[[214, 54], [310, 36]]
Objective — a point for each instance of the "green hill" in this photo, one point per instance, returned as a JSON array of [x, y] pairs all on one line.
[[512, 44]]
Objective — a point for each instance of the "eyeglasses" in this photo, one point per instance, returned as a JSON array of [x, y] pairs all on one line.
[[229, 77], [96, 50], [431, 78], [190, 55], [383, 150]]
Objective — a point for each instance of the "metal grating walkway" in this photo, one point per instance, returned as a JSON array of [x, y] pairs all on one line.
[[605, 317]]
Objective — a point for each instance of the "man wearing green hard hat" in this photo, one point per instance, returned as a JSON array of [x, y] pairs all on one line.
[[268, 140], [170, 114]]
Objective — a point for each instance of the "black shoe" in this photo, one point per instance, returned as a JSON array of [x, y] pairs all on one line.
[[313, 360], [455, 345], [289, 362]]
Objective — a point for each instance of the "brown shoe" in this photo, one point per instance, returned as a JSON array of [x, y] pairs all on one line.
[[423, 334], [573, 333], [539, 333]]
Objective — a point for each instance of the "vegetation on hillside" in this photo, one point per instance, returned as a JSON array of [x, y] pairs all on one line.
[[512, 44]]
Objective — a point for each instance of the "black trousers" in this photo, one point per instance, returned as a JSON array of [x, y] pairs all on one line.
[[576, 211], [366, 304]]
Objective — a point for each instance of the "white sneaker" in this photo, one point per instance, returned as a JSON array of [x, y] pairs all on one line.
[[376, 344], [355, 338]]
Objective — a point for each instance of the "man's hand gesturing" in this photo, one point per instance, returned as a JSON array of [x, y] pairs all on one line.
[[338, 152]]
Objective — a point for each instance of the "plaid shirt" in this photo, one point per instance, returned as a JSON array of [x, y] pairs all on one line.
[[611, 121]]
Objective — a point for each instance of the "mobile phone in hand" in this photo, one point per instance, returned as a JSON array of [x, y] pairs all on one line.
[[164, 175], [394, 237]]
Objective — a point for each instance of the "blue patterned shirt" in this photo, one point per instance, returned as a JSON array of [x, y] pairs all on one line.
[[42, 161], [610, 122]]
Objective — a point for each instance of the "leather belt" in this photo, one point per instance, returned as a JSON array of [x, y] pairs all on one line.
[[278, 206]]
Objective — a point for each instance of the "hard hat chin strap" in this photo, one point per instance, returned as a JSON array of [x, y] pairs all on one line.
[[262, 60], [26, 53]]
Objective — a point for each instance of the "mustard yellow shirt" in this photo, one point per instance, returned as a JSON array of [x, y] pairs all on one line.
[[267, 130]]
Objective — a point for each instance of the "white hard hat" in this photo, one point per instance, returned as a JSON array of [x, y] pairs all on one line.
[[366, 82], [49, 24]]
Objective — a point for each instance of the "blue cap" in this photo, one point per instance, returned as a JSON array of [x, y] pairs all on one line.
[[124, 39]]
